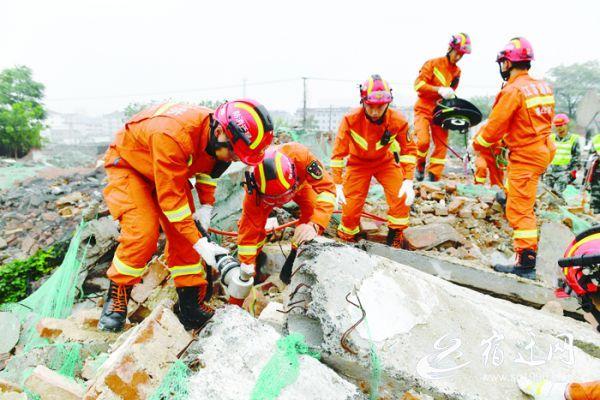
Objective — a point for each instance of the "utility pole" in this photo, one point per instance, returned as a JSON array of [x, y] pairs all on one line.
[[304, 121], [244, 87], [330, 118]]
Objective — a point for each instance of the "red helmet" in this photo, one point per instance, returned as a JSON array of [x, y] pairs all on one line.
[[518, 49], [578, 277], [248, 127], [560, 120], [275, 178], [375, 91], [461, 43]]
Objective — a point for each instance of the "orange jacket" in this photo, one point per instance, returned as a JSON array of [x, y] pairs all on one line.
[[360, 140], [166, 144], [522, 116], [433, 74], [251, 230]]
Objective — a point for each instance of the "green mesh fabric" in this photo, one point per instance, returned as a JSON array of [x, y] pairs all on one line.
[[474, 191], [174, 385], [578, 224], [55, 299], [375, 366], [282, 369]]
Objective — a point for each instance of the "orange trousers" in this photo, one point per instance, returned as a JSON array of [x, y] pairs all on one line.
[[132, 201], [425, 132], [584, 391], [526, 166], [357, 180]]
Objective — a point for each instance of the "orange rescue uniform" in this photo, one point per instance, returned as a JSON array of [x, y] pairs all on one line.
[[149, 166], [584, 391], [360, 141], [522, 116], [433, 74], [315, 196]]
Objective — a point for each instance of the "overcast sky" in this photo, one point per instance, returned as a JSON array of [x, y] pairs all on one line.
[[97, 56]]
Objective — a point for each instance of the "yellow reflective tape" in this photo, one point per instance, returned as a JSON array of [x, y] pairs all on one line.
[[190, 161], [480, 180], [280, 174], [257, 120], [433, 160], [408, 159], [348, 231], [333, 163], [438, 74], [422, 153], [398, 221], [525, 234], [125, 269], [205, 179], [539, 101], [163, 108], [482, 141], [247, 250], [359, 140], [261, 243], [192, 269], [263, 179], [326, 197], [178, 215], [516, 43], [419, 85], [395, 147]]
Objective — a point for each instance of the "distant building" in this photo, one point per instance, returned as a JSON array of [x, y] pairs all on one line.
[[327, 119], [73, 128]]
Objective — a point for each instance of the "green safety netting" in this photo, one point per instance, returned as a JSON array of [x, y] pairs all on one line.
[[17, 172], [174, 385], [578, 224], [55, 298], [283, 368], [470, 190], [375, 363]]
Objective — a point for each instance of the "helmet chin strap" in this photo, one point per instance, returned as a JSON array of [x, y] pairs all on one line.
[[213, 142], [379, 120], [504, 74]]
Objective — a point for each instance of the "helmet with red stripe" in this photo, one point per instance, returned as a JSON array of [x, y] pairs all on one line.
[[461, 43], [375, 91], [248, 127], [275, 178]]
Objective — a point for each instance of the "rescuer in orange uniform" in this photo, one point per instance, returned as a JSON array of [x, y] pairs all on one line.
[[438, 79], [288, 172], [149, 166], [521, 116], [375, 140], [488, 165]]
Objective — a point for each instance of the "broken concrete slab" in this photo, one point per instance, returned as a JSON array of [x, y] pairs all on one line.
[[429, 335], [51, 385], [64, 330], [273, 315], [155, 273], [233, 349], [554, 239], [7, 386], [429, 236], [11, 330], [137, 366], [488, 281]]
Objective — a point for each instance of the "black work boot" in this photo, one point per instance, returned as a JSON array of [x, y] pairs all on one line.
[[193, 312], [114, 312], [523, 267], [395, 238], [420, 174], [431, 177], [501, 199]]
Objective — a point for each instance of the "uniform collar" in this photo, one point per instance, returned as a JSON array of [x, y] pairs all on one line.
[[518, 75]]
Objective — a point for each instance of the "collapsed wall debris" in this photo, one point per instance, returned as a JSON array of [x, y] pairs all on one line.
[[426, 333]]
